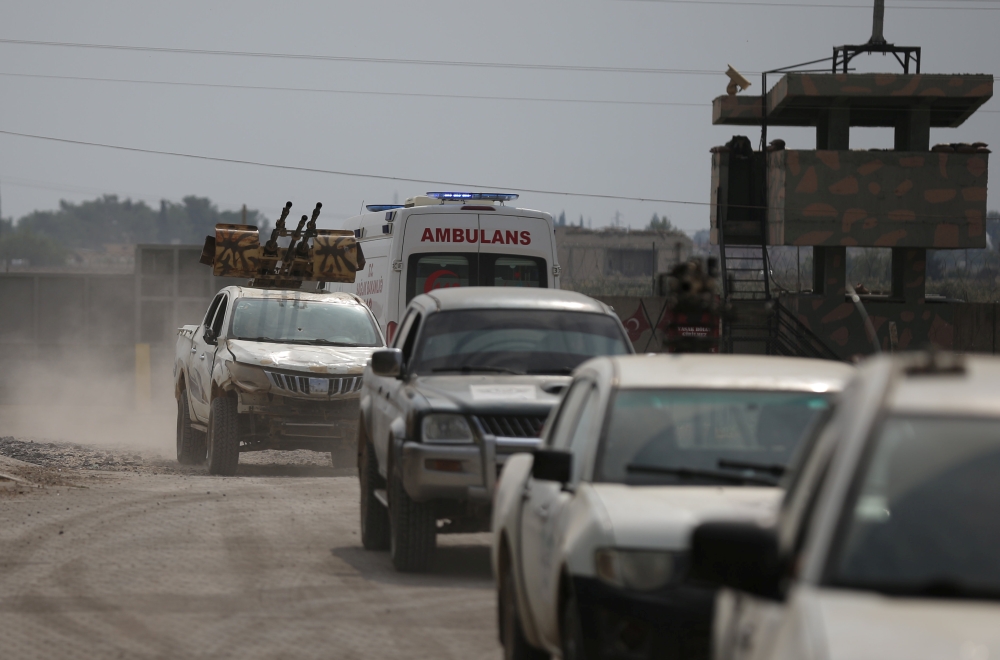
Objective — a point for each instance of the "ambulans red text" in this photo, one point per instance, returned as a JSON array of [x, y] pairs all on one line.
[[458, 235]]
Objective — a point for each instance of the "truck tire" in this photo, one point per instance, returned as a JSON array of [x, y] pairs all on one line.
[[515, 646], [412, 529], [190, 443], [223, 437], [571, 630], [374, 515]]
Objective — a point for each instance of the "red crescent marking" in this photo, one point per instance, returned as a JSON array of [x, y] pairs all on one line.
[[433, 277]]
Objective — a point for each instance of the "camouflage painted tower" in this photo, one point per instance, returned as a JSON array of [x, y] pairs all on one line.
[[911, 198]]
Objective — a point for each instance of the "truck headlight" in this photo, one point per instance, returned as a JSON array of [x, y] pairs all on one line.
[[446, 428], [640, 570], [249, 378]]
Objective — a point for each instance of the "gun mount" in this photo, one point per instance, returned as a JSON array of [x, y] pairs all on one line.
[[288, 258]]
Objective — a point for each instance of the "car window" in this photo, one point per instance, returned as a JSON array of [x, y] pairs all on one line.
[[207, 322], [427, 272], [297, 321], [411, 338], [404, 329], [922, 519], [569, 413], [521, 341], [587, 427], [657, 436], [220, 316]]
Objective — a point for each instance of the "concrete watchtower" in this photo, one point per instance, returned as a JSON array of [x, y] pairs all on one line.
[[910, 198]]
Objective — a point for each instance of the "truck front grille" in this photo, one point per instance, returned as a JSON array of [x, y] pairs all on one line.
[[512, 426], [314, 385]]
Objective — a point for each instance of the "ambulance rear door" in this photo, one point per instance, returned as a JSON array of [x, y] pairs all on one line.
[[439, 251], [515, 250]]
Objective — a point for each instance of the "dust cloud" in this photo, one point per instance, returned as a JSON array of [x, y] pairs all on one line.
[[88, 395]]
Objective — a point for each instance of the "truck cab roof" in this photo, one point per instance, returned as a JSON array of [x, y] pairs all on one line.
[[509, 298]]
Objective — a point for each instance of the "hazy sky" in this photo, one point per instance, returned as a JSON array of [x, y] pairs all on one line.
[[631, 150]]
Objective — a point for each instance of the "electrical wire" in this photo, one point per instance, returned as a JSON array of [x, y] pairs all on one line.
[[529, 99], [802, 5], [383, 177], [351, 91], [368, 60]]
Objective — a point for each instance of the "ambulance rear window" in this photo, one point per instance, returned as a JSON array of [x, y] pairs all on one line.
[[427, 271], [511, 271], [440, 271]]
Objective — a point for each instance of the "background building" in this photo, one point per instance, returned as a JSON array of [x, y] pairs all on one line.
[[615, 261]]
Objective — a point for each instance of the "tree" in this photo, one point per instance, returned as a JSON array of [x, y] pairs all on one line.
[[108, 219], [36, 249], [656, 223]]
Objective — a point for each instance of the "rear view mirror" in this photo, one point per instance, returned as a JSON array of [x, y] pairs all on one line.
[[552, 465], [387, 362], [739, 555]]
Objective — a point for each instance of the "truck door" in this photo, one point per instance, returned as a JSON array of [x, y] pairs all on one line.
[[202, 360], [543, 522]]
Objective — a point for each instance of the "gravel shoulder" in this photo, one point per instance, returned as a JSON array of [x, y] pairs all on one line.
[[110, 552]]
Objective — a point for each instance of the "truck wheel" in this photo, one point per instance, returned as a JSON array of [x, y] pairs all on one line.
[[412, 529], [374, 516], [571, 631], [190, 443], [515, 646], [223, 437]]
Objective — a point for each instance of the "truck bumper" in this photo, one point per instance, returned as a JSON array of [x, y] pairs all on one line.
[[624, 625], [279, 422], [452, 472], [458, 472]]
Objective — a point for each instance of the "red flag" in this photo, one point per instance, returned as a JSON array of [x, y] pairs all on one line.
[[636, 324]]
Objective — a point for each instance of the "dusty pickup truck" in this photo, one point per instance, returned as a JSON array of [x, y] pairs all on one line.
[[272, 369]]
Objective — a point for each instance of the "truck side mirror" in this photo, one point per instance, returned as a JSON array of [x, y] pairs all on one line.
[[387, 362], [552, 465], [209, 336], [739, 555]]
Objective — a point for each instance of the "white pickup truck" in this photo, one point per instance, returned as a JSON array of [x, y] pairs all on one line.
[[272, 369]]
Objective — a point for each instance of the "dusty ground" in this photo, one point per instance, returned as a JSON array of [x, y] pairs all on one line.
[[112, 552]]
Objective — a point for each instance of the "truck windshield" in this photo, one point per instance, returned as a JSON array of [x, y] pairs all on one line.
[[692, 437], [291, 321], [515, 341], [922, 520]]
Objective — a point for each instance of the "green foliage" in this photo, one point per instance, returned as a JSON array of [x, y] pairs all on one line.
[[108, 219], [37, 249], [656, 223]]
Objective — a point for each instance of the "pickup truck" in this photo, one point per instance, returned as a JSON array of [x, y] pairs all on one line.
[[272, 369], [470, 379]]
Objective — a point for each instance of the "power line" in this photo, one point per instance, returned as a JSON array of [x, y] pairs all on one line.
[[799, 5], [437, 182], [316, 170], [351, 91], [530, 99], [370, 60]]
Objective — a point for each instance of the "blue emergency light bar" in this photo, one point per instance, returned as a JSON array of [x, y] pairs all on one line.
[[474, 196], [376, 208]]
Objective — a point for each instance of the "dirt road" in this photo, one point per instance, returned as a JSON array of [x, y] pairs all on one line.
[[142, 560]]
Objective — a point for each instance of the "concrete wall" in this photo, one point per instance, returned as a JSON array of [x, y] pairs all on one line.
[[589, 258], [60, 331]]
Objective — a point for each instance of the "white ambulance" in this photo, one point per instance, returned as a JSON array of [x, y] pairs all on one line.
[[448, 239]]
